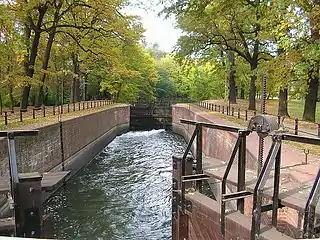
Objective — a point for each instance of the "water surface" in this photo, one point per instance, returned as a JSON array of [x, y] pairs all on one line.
[[124, 193]]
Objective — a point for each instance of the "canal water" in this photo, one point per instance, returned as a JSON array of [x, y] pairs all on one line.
[[124, 193]]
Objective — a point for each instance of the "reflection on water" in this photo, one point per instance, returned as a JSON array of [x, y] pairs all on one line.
[[124, 193]]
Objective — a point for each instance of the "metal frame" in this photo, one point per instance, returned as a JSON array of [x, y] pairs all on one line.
[[240, 147], [309, 227], [273, 160]]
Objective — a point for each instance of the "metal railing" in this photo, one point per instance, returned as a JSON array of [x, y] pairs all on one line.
[[272, 163]]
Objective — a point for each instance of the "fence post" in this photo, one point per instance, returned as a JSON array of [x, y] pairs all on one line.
[[239, 113], [54, 110], [79, 106], [296, 128], [33, 114], [68, 107], [246, 117], [44, 111], [5, 118], [228, 110]]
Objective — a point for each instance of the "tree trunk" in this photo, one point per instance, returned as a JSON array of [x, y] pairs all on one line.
[[30, 61], [75, 89], [232, 82], [310, 104], [45, 63], [253, 90], [283, 102], [241, 93]]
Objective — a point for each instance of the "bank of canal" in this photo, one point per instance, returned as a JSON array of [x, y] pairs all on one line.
[[124, 193]]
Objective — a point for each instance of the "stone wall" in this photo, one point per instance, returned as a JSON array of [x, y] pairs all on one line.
[[43, 152]]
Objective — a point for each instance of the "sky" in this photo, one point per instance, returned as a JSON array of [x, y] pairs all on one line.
[[158, 29]]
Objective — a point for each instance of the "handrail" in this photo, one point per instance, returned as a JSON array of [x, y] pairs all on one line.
[[309, 215], [210, 125]]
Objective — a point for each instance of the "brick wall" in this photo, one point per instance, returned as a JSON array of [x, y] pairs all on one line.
[[43, 152]]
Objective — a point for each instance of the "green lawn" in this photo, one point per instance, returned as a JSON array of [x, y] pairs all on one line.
[[295, 107]]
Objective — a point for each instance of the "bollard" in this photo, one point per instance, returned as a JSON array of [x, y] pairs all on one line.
[[215, 107], [91, 104], [68, 107], [318, 129], [33, 114], [74, 106], [222, 109], [232, 112], [44, 111], [54, 110], [239, 113], [246, 116], [61, 108], [79, 106], [296, 122], [279, 120], [83, 106], [5, 118], [219, 108], [227, 110], [87, 105], [20, 116]]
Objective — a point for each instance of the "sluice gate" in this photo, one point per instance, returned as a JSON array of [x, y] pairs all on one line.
[[147, 116], [259, 197]]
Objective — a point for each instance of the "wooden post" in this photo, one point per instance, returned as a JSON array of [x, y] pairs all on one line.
[[180, 220], [5, 118], [28, 212], [296, 128]]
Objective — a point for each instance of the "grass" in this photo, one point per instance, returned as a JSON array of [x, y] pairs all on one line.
[[29, 123], [295, 107], [313, 149]]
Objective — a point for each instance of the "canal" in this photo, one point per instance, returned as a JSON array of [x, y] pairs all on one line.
[[124, 193]]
